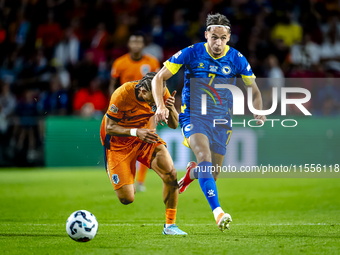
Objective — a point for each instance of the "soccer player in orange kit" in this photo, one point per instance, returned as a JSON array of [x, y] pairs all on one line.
[[126, 138], [130, 67]]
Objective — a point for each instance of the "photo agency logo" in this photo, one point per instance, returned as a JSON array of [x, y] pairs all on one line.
[[239, 102]]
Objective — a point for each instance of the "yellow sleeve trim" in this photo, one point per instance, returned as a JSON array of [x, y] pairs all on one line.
[[183, 107], [185, 141], [248, 80], [173, 68]]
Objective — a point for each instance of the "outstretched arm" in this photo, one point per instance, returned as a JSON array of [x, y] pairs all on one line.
[[162, 112], [114, 129]]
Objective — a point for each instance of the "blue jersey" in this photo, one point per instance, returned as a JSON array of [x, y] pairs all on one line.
[[198, 63]]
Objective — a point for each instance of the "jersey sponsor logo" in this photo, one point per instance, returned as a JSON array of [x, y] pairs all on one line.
[[240, 55], [177, 54], [115, 179], [201, 65], [188, 127], [212, 68], [144, 69], [248, 67], [226, 70], [113, 108]]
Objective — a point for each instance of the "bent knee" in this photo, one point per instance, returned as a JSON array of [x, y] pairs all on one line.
[[170, 176], [203, 156], [126, 200]]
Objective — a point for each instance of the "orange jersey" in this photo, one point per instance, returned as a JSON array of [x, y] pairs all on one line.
[[129, 70], [129, 112]]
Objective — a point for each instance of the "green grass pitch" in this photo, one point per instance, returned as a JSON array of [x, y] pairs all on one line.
[[270, 216]]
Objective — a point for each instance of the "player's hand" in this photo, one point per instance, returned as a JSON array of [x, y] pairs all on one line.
[[170, 102], [147, 135], [260, 119], [161, 114]]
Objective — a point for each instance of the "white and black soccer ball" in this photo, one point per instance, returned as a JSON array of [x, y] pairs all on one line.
[[82, 226]]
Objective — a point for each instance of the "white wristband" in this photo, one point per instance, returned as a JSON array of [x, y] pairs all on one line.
[[133, 131]]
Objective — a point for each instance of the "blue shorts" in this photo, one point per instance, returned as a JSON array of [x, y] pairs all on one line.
[[218, 136]]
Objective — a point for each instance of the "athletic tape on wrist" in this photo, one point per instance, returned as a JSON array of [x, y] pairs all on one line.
[[133, 131]]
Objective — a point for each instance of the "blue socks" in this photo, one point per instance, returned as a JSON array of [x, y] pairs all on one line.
[[207, 183]]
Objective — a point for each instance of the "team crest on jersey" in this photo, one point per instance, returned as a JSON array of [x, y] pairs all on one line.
[[212, 68], [113, 108], [226, 70], [188, 127], [201, 65], [115, 179], [177, 54], [144, 69]]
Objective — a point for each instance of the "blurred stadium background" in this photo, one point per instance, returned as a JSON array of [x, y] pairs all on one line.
[[56, 58]]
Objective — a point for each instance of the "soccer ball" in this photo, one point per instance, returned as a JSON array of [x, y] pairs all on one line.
[[82, 226]]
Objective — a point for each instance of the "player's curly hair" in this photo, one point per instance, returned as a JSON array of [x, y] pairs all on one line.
[[217, 19], [145, 82]]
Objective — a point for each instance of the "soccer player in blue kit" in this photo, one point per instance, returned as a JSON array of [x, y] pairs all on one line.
[[207, 64]]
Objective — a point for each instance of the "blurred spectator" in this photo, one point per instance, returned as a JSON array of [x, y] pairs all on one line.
[[329, 91], [328, 107], [2, 34], [287, 31], [197, 28], [18, 30], [90, 95], [153, 48], [27, 112], [35, 71], [48, 34], [133, 65], [67, 51], [157, 30], [11, 67], [55, 101], [7, 106], [100, 37], [121, 33], [330, 50], [275, 80], [332, 25], [85, 71], [104, 71], [176, 35], [306, 53], [275, 74]]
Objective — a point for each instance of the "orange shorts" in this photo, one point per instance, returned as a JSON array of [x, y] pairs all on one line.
[[121, 164]]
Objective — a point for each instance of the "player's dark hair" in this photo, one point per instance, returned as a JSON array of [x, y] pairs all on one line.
[[145, 82], [138, 33], [217, 19]]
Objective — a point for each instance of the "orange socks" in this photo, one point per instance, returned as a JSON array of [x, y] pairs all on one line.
[[170, 216]]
